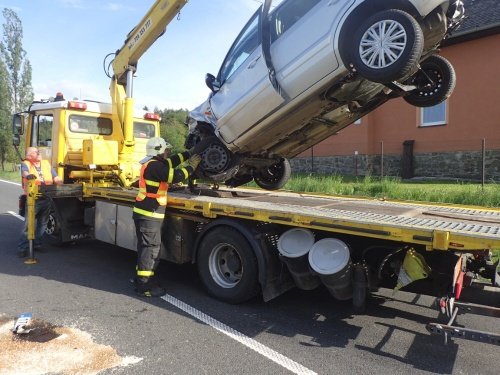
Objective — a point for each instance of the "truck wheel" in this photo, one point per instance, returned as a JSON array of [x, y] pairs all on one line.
[[435, 82], [227, 265], [53, 230], [275, 176], [387, 46]]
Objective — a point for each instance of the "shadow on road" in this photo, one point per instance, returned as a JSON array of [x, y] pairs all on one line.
[[313, 317]]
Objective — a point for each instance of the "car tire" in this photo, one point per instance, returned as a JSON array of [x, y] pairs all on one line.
[[443, 77], [227, 265], [275, 176], [401, 53]]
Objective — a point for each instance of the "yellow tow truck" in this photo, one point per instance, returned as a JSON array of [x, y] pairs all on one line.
[[249, 242]]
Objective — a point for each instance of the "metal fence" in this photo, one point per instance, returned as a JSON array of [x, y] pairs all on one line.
[[412, 159]]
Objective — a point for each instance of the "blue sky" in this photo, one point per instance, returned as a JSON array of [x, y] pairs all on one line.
[[66, 42]]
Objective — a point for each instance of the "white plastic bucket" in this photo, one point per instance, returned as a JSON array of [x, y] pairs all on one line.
[[331, 259], [295, 242], [293, 246]]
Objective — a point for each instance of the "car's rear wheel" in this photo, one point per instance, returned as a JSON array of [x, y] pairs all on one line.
[[387, 46], [275, 176], [435, 82]]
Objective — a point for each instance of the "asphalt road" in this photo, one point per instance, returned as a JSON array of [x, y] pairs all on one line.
[[86, 285]]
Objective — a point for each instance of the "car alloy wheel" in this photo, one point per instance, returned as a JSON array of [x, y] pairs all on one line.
[[387, 46], [383, 44]]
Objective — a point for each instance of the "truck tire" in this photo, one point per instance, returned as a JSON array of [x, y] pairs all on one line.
[[360, 289], [387, 46], [227, 265], [275, 176], [53, 230], [442, 82]]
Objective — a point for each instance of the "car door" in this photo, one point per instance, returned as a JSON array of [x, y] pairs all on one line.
[[302, 37], [246, 94]]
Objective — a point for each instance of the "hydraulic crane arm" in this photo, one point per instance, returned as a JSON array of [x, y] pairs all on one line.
[[152, 26]]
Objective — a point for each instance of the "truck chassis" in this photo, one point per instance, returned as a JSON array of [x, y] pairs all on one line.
[[232, 236]]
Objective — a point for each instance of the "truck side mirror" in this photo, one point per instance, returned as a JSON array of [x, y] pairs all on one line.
[[17, 129], [212, 83], [16, 140], [18, 124]]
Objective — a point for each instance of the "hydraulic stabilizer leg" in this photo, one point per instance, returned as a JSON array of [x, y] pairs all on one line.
[[30, 217]]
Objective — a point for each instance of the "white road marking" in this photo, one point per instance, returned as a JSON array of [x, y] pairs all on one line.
[[16, 215], [10, 182], [269, 353], [11, 212]]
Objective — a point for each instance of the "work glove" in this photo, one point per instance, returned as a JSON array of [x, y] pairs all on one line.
[[201, 146], [31, 177], [194, 161]]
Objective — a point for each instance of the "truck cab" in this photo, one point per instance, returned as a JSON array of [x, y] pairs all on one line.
[[83, 139]]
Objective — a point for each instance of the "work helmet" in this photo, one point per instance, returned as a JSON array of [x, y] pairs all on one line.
[[156, 146]]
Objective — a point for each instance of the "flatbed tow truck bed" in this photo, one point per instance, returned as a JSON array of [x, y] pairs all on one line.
[[437, 226]]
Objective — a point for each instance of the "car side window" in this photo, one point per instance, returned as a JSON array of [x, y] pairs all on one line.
[[287, 14], [245, 44]]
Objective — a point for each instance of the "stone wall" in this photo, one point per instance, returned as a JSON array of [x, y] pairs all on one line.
[[459, 164]]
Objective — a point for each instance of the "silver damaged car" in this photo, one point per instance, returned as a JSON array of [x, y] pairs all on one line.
[[309, 68]]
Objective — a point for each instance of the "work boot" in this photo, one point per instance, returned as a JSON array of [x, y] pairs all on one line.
[[145, 287]]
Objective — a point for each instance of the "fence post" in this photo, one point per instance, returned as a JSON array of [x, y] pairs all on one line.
[[483, 173], [312, 160], [381, 159]]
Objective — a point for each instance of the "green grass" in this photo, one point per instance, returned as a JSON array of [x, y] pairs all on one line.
[[9, 174], [464, 193]]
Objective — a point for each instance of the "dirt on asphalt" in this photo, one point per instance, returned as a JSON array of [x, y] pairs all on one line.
[[50, 349]]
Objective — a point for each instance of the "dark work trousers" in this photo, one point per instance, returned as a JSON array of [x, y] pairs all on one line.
[[148, 233]]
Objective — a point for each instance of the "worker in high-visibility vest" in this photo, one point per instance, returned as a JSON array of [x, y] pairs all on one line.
[[35, 168], [157, 172]]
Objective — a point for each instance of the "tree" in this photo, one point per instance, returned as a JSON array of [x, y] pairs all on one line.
[[16, 92], [172, 127], [14, 56], [5, 121]]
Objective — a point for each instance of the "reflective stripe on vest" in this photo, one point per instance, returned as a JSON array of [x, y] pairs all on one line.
[[46, 170], [161, 193]]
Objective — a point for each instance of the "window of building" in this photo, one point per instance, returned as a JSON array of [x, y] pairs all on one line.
[[432, 116]]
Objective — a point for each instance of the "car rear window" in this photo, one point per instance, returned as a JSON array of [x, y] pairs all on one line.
[[287, 14]]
